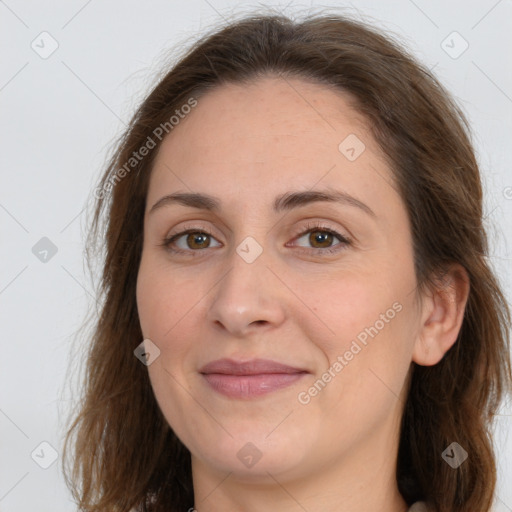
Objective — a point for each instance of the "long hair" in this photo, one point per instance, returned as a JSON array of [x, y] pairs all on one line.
[[124, 455]]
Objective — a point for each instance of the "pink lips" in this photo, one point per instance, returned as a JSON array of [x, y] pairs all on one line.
[[251, 378]]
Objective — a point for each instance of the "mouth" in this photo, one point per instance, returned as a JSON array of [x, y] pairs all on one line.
[[249, 379]]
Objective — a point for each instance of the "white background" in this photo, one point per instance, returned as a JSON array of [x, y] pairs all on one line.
[[59, 116]]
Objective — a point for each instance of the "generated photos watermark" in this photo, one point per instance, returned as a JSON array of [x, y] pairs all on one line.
[[304, 397], [150, 143]]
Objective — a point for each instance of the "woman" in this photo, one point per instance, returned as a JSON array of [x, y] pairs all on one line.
[[298, 310]]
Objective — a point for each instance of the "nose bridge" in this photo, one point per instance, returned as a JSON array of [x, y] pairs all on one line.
[[247, 294]]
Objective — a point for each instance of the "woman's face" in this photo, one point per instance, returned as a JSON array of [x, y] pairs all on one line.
[[326, 288]]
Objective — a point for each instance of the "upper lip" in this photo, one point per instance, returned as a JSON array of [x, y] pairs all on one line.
[[251, 367]]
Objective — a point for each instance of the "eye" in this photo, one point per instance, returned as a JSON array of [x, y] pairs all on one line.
[[321, 238], [191, 241]]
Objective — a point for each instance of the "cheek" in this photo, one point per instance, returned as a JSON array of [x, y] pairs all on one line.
[[162, 301], [366, 361], [371, 319], [345, 307], [166, 313]]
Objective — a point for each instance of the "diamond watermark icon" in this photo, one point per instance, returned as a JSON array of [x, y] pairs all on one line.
[[249, 249], [249, 455], [351, 147], [454, 455], [147, 352], [454, 45], [44, 250], [44, 455], [44, 45]]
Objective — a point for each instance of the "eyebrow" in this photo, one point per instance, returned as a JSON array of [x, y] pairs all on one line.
[[287, 201]]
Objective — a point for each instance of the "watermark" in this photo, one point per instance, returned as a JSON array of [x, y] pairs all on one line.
[[454, 45], [454, 455], [44, 45], [44, 455], [304, 397], [249, 249], [147, 352], [44, 250], [150, 143], [351, 147], [249, 455]]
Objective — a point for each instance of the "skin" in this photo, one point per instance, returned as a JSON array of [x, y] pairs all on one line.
[[294, 304]]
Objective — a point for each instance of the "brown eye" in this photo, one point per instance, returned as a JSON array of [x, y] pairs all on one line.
[[323, 238], [197, 240], [192, 241], [189, 241]]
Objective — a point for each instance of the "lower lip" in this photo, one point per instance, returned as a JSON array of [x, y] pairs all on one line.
[[249, 386]]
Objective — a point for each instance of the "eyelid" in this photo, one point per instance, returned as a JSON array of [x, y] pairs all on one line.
[[321, 226], [192, 226]]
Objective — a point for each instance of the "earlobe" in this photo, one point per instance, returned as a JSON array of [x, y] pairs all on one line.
[[442, 316]]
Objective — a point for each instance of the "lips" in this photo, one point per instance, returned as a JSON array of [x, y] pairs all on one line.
[[253, 367], [250, 378]]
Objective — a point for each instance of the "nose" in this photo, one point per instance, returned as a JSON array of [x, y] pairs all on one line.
[[248, 298]]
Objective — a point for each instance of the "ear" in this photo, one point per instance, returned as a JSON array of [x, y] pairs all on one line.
[[443, 308]]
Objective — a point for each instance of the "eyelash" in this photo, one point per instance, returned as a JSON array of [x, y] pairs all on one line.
[[344, 241]]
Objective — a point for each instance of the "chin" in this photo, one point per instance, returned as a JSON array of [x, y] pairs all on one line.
[[253, 460]]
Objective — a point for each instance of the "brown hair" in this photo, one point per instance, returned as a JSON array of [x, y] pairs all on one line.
[[125, 454]]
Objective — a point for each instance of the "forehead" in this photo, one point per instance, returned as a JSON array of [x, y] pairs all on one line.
[[267, 137]]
